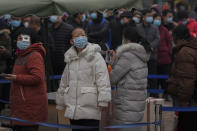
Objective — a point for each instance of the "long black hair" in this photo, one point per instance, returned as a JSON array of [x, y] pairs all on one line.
[[131, 34]]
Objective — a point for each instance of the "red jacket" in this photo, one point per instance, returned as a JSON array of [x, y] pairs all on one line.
[[165, 47], [28, 94], [192, 26]]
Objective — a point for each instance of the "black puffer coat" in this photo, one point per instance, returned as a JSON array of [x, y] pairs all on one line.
[[61, 36]]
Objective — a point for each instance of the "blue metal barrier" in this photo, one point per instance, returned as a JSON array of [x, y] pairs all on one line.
[[58, 77], [79, 127], [180, 109]]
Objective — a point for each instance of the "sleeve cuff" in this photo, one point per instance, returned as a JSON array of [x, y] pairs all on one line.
[[58, 107], [103, 104]]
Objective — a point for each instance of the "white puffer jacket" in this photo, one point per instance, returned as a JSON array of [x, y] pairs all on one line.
[[84, 84]]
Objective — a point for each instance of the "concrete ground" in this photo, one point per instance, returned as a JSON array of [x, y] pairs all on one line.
[[168, 121]]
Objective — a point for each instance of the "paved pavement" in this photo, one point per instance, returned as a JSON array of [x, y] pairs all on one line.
[[168, 120]]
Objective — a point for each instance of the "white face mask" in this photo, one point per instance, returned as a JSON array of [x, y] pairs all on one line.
[[26, 24]]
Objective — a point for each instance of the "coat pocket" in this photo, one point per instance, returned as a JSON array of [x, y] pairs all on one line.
[[88, 97], [66, 96]]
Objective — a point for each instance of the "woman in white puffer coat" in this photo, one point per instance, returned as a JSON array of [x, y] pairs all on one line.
[[85, 87]]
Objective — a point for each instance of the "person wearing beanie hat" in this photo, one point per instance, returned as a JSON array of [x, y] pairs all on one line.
[[126, 19], [156, 9], [28, 92]]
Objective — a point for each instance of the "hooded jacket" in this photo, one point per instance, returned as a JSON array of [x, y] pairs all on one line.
[[182, 81], [129, 74], [84, 84], [28, 93], [192, 26]]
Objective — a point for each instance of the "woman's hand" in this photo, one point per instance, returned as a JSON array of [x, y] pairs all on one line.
[[2, 49], [10, 77], [113, 54]]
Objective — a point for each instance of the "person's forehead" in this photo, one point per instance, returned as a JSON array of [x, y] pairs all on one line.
[[149, 13], [76, 31], [16, 18], [158, 17], [23, 36], [170, 13], [137, 15], [27, 18]]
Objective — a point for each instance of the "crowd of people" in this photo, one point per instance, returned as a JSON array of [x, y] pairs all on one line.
[[97, 50]]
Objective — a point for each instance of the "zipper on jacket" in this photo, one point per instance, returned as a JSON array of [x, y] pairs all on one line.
[[77, 88], [22, 93]]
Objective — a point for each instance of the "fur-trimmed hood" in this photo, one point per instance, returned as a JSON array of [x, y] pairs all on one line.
[[89, 53], [134, 48]]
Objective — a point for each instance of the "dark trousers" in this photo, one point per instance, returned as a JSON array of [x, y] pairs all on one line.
[[85, 122], [163, 70], [152, 70], [26, 128], [187, 121]]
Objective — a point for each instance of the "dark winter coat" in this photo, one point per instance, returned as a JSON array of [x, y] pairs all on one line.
[[151, 34], [61, 36], [182, 81], [116, 30], [98, 33]]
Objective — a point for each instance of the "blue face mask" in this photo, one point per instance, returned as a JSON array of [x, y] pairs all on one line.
[[15, 23], [136, 20], [184, 22], [53, 19], [170, 20], [88, 15], [105, 15], [93, 16], [149, 19], [80, 42], [7, 17], [122, 22], [83, 18], [182, 8], [22, 45], [157, 22]]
